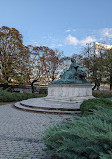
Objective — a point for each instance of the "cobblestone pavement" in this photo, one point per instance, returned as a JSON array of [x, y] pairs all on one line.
[[21, 133]]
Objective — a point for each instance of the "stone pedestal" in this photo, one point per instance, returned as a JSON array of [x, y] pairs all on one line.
[[70, 91], [61, 99]]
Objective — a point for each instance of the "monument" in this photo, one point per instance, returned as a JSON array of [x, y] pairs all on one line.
[[64, 95], [71, 85], [74, 75]]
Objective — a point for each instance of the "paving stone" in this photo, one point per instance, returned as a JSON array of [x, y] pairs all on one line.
[[21, 133]]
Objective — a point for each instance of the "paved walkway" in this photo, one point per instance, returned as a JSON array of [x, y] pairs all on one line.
[[21, 133]]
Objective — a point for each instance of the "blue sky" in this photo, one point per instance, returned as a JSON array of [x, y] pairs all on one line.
[[63, 24]]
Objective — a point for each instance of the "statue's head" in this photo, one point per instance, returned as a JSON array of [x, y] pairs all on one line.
[[74, 64], [73, 60]]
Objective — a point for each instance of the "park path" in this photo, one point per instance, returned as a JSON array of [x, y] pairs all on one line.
[[21, 133]]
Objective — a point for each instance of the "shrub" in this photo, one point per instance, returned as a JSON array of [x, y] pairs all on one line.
[[102, 94], [43, 91], [11, 97], [88, 105], [86, 138], [106, 156]]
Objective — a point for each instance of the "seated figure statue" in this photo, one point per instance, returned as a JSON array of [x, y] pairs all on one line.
[[75, 74]]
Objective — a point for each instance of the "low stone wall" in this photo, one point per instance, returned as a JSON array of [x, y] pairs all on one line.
[[69, 90]]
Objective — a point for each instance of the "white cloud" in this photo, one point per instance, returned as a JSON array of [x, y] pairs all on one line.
[[55, 45], [36, 43], [68, 30], [71, 40], [60, 45], [107, 32], [46, 37], [87, 40], [74, 30], [52, 45]]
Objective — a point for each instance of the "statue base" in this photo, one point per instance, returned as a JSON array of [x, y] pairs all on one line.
[[69, 92], [62, 99]]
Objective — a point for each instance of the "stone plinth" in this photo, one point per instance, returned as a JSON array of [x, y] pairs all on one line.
[[61, 99], [69, 90]]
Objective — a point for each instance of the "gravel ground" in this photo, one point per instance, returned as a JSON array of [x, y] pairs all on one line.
[[21, 133]]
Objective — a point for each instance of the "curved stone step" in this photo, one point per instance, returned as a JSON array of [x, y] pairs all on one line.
[[50, 105], [67, 100], [21, 107], [50, 108]]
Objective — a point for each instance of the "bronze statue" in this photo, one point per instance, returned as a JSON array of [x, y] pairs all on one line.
[[74, 75]]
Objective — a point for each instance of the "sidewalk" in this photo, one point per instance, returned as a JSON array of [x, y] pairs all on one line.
[[21, 133]]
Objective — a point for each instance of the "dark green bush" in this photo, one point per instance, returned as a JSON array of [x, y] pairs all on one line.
[[102, 94], [88, 105], [43, 91], [85, 138], [6, 96], [106, 156]]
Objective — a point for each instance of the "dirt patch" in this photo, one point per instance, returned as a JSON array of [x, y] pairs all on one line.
[[6, 103]]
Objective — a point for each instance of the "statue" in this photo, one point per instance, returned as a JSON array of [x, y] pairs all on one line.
[[74, 75]]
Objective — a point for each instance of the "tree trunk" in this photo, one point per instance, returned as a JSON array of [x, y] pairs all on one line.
[[32, 86], [53, 76], [110, 82], [94, 87], [97, 84]]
